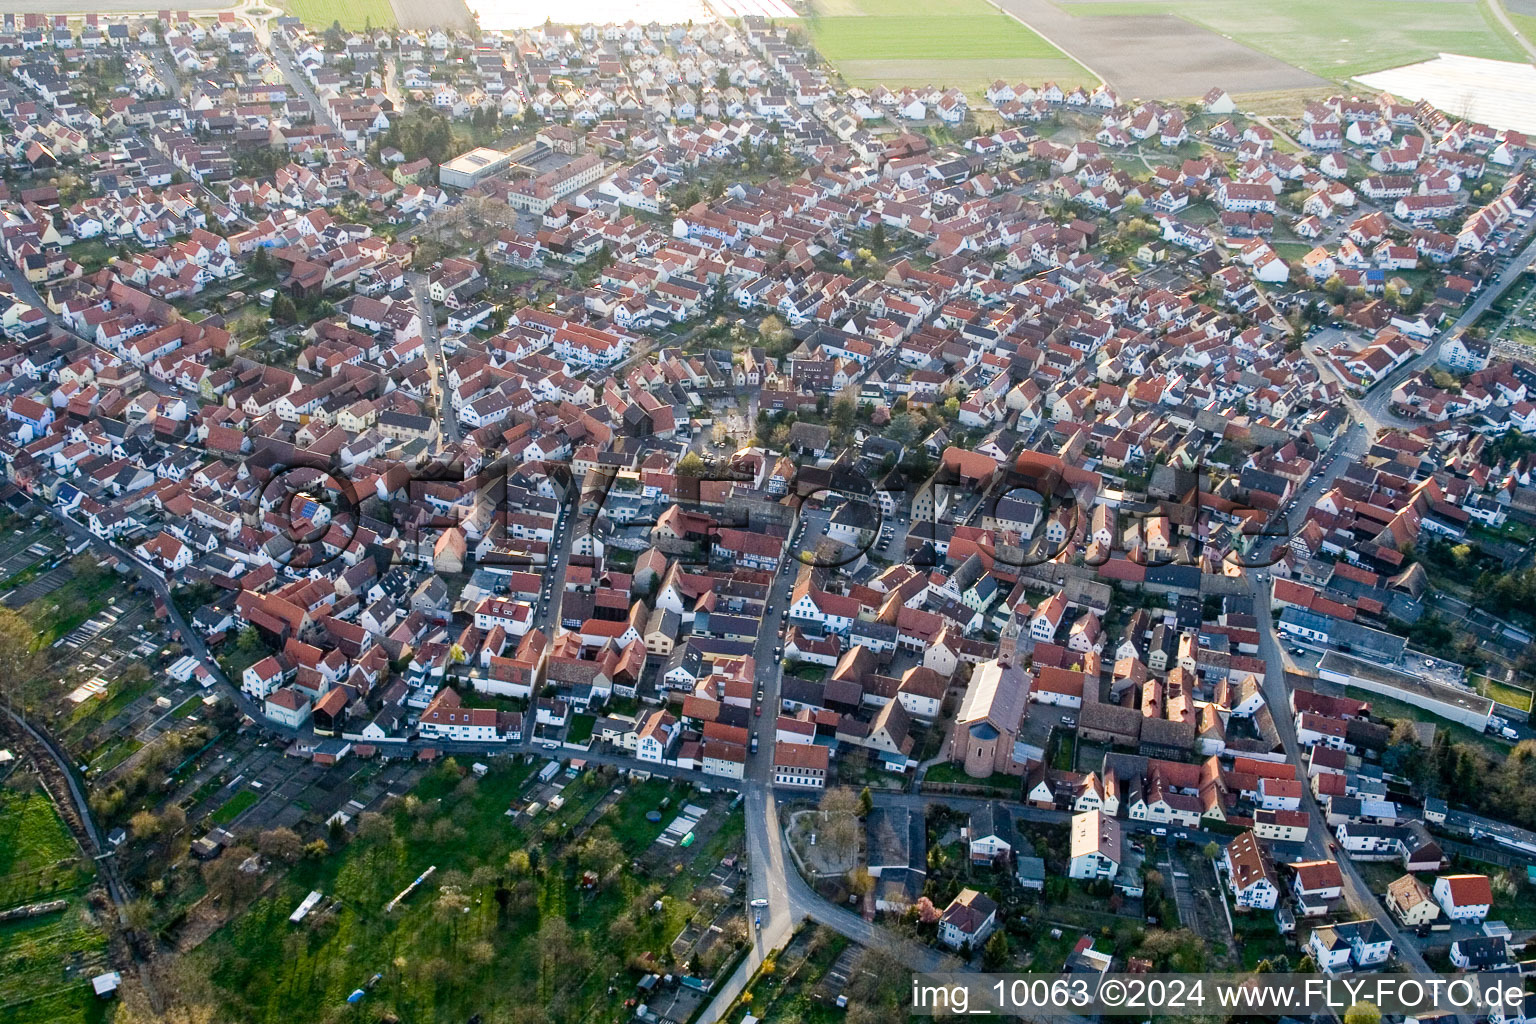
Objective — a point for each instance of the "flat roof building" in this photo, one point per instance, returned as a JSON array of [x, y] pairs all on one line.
[[468, 169]]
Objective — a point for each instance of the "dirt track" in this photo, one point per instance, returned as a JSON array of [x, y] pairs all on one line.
[[1159, 56]]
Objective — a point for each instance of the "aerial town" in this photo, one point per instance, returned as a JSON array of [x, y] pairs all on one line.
[[619, 523]]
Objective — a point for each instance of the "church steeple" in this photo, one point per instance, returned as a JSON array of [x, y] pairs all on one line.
[[1008, 643]]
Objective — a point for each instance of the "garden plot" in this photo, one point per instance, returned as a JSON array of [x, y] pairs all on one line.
[[681, 826]]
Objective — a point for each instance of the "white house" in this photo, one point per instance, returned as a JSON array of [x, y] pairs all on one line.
[[446, 718], [1250, 873], [656, 736], [1315, 884], [262, 678], [968, 920], [1464, 897], [287, 707], [1095, 849], [1354, 944]]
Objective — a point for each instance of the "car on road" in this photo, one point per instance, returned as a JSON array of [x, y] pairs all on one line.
[[551, 745], [1068, 721], [758, 711], [759, 903]]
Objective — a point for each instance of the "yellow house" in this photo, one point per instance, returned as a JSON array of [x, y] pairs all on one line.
[[1409, 901]]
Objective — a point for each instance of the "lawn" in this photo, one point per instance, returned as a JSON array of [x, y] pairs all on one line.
[[74, 1005], [951, 774], [964, 43], [581, 728], [1393, 710], [121, 692], [1513, 696], [353, 14], [113, 753], [50, 960], [37, 854], [486, 935], [44, 960], [235, 806], [1337, 40]]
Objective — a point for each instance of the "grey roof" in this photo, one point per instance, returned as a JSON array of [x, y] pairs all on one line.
[[889, 832]]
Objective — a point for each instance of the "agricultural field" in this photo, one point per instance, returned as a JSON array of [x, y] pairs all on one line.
[[1333, 40], [963, 43], [548, 910], [46, 962], [353, 14]]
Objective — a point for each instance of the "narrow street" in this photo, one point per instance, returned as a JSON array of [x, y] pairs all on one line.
[[295, 77], [447, 418]]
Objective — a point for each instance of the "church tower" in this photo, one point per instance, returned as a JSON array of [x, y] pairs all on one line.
[[1008, 643]]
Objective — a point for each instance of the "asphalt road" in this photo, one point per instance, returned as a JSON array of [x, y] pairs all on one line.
[[1277, 695], [447, 418], [1376, 414]]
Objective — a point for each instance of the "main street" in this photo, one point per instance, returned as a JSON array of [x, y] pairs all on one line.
[[288, 64], [1277, 694]]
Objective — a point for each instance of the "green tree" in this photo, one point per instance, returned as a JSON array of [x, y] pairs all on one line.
[[18, 654], [994, 955], [261, 262], [283, 309], [1363, 1012]]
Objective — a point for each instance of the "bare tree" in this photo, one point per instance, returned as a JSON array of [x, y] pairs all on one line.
[[840, 822], [282, 844]]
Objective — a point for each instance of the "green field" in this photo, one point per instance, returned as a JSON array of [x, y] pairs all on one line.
[[37, 854], [485, 934], [1337, 40], [353, 14], [964, 43], [47, 961]]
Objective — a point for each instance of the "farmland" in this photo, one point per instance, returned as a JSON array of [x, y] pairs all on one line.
[[353, 14], [1332, 40], [963, 43]]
